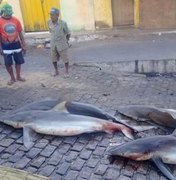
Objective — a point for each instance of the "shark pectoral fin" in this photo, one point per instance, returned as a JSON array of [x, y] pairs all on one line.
[[158, 162], [28, 134]]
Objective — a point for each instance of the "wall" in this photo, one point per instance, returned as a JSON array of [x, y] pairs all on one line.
[[78, 14], [103, 13], [157, 14]]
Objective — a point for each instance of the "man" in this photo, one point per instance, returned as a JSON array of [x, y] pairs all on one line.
[[59, 40], [11, 43]]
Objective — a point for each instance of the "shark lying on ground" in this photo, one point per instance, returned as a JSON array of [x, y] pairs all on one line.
[[160, 149], [60, 123], [161, 116]]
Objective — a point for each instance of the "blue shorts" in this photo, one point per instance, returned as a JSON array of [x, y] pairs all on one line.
[[17, 57]]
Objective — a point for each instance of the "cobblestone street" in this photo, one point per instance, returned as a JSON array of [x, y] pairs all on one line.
[[80, 157]]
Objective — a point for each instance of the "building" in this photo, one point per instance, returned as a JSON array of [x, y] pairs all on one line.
[[97, 14]]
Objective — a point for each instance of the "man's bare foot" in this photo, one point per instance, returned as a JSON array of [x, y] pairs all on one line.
[[66, 75], [21, 79], [56, 74], [11, 82]]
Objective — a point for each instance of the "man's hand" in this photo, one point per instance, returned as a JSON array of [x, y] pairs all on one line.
[[24, 49], [1, 52], [68, 37]]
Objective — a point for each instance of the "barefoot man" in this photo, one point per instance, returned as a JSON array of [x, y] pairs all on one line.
[[59, 40]]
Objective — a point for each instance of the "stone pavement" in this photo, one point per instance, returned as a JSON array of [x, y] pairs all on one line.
[[80, 157]]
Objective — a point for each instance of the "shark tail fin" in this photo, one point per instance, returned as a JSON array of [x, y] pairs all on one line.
[[165, 170], [110, 127]]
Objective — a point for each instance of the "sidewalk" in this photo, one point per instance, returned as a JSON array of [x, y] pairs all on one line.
[[38, 38]]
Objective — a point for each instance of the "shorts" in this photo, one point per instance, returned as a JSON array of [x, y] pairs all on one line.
[[56, 55], [17, 57]]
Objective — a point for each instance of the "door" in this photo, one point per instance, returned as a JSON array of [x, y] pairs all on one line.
[[36, 13], [123, 12]]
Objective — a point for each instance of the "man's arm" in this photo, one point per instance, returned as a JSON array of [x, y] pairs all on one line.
[[66, 30], [1, 50], [23, 44]]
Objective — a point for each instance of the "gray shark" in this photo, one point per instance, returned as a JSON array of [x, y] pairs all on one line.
[[60, 123], [160, 149], [161, 116], [67, 106]]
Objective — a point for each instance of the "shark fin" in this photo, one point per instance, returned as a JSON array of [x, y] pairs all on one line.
[[28, 134], [60, 107], [158, 162]]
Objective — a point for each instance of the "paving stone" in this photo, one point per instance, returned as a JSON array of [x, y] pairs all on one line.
[[2, 149], [92, 145], [71, 156], [71, 175], [7, 130], [42, 143], [56, 141], [140, 176], [99, 151], [63, 168], [85, 154], [12, 148], [5, 156], [86, 172], [70, 140], [31, 170], [104, 143], [16, 134], [128, 171], [78, 164], [92, 162], [38, 162], [122, 177], [6, 142], [22, 163], [47, 170], [112, 174], [16, 157], [33, 152], [55, 158], [77, 147], [2, 136], [56, 177], [154, 175], [48, 150], [95, 177], [64, 148], [101, 169]]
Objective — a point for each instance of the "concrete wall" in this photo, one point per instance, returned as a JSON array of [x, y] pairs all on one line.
[[103, 13], [78, 14], [157, 14]]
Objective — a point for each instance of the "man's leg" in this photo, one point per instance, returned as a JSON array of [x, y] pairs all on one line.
[[56, 69], [66, 67], [55, 57], [18, 58], [64, 56], [8, 64], [18, 73], [10, 71]]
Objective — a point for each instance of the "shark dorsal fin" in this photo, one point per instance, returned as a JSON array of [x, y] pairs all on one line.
[[163, 168], [60, 107]]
